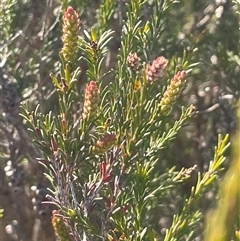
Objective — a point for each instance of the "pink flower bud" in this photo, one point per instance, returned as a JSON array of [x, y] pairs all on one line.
[[91, 100], [157, 69], [71, 25]]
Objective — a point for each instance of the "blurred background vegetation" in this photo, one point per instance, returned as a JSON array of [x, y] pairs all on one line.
[[30, 40]]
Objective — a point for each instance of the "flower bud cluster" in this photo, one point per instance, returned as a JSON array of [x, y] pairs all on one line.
[[91, 100], [105, 143], [173, 92], [157, 69], [71, 25], [60, 227], [133, 61]]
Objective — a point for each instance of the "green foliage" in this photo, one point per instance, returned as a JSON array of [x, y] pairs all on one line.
[[186, 221], [121, 114], [135, 117], [221, 225]]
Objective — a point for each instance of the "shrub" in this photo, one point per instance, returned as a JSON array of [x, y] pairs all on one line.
[[113, 125]]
